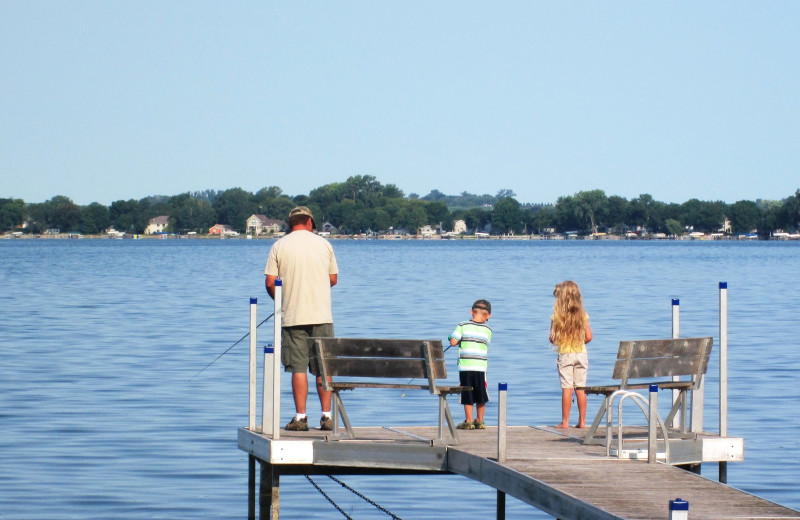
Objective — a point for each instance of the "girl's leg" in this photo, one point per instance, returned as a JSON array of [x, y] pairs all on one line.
[[566, 403], [581, 398]]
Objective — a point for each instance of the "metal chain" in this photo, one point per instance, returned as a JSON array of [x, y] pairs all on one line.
[[329, 499], [378, 507]]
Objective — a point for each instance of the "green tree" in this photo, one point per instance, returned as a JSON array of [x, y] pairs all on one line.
[[12, 213], [745, 216], [591, 206], [188, 213], [95, 218], [617, 211], [437, 212], [703, 216], [673, 227], [567, 213], [507, 216], [233, 207], [543, 219]]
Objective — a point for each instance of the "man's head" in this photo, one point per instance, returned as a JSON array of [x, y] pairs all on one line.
[[300, 216], [481, 311]]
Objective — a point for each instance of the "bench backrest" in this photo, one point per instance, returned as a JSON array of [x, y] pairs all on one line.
[[379, 358], [662, 358]]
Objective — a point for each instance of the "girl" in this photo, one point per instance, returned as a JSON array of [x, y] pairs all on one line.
[[570, 332]]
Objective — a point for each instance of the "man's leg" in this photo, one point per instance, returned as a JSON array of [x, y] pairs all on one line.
[[300, 391], [324, 397]]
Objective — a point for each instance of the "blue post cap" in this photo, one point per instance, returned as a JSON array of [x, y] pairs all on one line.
[[253, 301], [654, 388], [278, 281], [723, 285], [502, 387], [676, 301], [269, 349], [678, 505]]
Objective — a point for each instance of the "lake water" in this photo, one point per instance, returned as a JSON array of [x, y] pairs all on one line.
[[100, 338]]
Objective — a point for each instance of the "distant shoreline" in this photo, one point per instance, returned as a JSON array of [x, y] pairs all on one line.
[[559, 237]]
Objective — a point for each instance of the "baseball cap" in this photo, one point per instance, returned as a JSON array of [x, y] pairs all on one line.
[[303, 210], [482, 304]]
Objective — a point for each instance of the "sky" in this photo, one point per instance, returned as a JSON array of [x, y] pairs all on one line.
[[102, 101]]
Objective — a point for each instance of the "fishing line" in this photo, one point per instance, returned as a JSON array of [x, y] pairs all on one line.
[[413, 378], [231, 347]]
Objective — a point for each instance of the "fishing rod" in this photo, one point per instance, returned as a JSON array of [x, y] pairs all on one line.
[[231, 347], [413, 378]]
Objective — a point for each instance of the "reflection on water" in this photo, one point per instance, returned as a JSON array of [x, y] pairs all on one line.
[[98, 418]]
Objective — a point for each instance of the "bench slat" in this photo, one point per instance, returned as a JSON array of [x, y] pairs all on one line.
[[383, 368], [662, 347], [378, 348], [657, 367], [662, 358]]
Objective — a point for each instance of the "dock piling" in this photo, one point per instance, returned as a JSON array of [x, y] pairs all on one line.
[[276, 366], [253, 327], [680, 421], [268, 425], [652, 421], [502, 425], [678, 509], [723, 372]]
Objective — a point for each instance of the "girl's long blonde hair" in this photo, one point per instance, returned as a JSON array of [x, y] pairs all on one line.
[[569, 318]]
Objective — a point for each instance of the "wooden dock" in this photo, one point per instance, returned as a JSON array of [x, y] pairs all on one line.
[[549, 469]]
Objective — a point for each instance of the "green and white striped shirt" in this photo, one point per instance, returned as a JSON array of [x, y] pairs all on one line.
[[473, 345]]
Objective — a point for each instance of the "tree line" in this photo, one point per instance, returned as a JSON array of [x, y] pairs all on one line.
[[362, 204]]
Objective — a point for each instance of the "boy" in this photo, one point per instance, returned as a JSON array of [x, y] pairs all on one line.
[[472, 338]]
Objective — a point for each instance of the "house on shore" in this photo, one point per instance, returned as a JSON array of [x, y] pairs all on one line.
[[157, 225], [221, 230], [258, 224]]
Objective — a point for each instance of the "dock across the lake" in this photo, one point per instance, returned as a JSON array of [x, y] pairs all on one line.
[[549, 469]]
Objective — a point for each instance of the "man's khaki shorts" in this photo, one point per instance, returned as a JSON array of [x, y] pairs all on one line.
[[572, 368], [296, 348]]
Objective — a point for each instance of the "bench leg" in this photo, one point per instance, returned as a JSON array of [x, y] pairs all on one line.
[[445, 415], [589, 439], [680, 405], [338, 409]]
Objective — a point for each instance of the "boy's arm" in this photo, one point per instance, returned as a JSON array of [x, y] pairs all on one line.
[[453, 341]]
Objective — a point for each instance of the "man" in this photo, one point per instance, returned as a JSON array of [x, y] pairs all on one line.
[[307, 268]]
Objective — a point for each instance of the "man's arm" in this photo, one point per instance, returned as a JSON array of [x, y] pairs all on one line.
[[334, 278], [270, 285]]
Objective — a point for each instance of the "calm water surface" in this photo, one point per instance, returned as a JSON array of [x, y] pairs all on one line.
[[99, 340]]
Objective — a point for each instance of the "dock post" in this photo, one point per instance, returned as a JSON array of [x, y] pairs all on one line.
[[268, 427], [502, 422], [652, 421], [678, 509], [253, 327], [276, 366], [251, 487], [676, 333], [269, 492], [723, 372]]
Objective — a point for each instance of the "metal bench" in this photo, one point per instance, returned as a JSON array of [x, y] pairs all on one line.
[[373, 360], [645, 360]]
